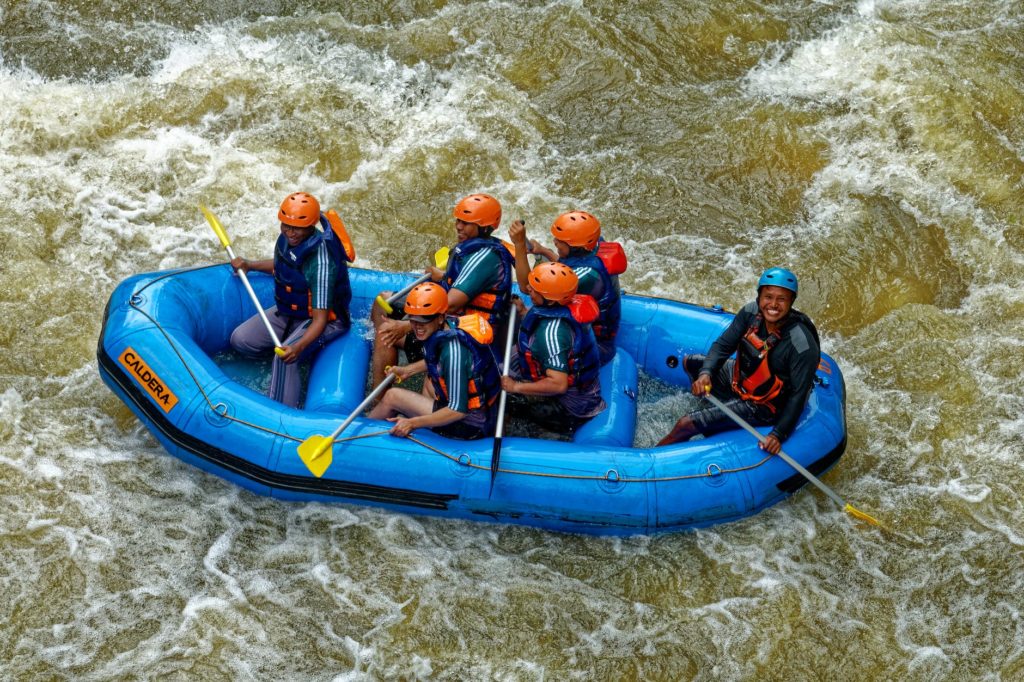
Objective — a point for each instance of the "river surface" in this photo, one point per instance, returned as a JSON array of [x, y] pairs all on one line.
[[874, 147]]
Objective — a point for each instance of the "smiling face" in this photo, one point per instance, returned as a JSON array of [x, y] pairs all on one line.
[[295, 235], [464, 230], [424, 330], [774, 303]]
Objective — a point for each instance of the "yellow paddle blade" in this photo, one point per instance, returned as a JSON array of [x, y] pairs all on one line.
[[858, 514], [382, 302], [315, 453], [441, 257], [217, 227]]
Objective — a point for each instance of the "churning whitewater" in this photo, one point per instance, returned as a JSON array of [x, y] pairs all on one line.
[[876, 148]]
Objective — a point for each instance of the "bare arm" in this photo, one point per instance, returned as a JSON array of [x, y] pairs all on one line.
[[266, 266], [543, 251], [442, 417], [457, 300], [517, 232], [553, 383]]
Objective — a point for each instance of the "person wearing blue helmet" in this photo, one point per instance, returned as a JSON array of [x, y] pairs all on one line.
[[777, 353]]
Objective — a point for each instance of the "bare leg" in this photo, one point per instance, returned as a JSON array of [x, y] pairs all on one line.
[[377, 314], [402, 401], [684, 429], [384, 354], [428, 389]]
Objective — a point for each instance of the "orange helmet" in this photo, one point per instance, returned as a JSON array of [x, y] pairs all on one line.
[[481, 209], [577, 228], [554, 281], [299, 210], [426, 300]]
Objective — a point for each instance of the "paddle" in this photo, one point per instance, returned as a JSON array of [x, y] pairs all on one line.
[[223, 236], [440, 260], [499, 429], [313, 449], [848, 508]]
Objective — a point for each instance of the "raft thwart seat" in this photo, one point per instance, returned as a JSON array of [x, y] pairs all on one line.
[[616, 424], [337, 378]]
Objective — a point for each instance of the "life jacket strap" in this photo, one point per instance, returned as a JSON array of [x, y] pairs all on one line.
[[752, 388]]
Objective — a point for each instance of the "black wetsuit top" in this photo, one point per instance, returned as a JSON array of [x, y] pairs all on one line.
[[794, 359]]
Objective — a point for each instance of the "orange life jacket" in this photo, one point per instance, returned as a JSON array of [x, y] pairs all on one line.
[[760, 386]]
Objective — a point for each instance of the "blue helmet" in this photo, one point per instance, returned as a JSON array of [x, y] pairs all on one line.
[[778, 277]]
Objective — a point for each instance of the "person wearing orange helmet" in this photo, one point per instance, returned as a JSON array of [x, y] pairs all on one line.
[[578, 244], [311, 292], [556, 367], [478, 278], [460, 398]]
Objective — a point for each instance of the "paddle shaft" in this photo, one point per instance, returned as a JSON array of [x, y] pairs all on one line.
[[789, 460], [419, 280], [222, 235], [500, 428], [255, 300], [362, 406]]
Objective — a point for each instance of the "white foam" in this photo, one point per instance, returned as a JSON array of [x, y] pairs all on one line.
[[361, 655], [966, 490], [159, 144], [199, 603], [218, 549], [869, 80], [12, 407], [127, 185], [36, 524], [932, 658], [47, 470]]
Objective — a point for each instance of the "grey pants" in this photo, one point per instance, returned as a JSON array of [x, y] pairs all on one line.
[[252, 340]]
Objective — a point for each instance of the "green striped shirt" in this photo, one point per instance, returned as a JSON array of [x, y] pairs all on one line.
[[456, 369], [320, 271], [481, 272]]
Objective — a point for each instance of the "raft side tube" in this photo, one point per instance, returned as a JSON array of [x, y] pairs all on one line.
[[658, 334]]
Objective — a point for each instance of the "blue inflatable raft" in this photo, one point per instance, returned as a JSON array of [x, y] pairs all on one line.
[[162, 330]]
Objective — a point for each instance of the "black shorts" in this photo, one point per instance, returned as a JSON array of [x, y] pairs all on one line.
[[709, 419], [413, 348], [459, 430], [547, 413]]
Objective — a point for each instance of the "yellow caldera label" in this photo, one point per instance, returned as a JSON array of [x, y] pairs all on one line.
[[149, 379]]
